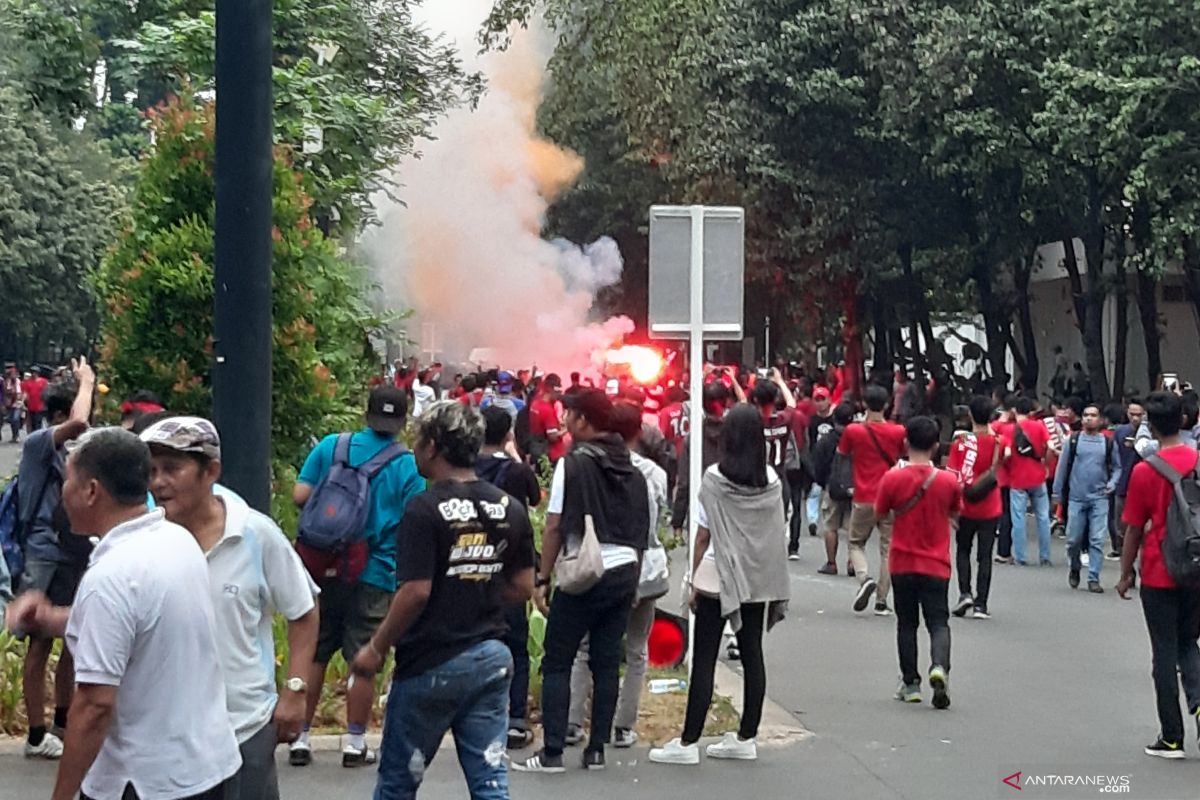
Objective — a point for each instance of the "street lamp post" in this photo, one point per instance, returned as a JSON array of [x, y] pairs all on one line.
[[242, 281]]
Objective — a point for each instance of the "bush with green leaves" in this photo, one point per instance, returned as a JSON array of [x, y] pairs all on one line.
[[157, 289]]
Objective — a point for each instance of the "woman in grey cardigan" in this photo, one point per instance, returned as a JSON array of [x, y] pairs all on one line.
[[740, 576]]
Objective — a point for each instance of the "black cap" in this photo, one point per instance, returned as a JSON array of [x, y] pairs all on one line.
[[386, 410], [593, 405], [552, 380]]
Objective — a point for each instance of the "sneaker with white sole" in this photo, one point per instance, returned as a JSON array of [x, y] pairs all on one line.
[[574, 735], [624, 737], [353, 757], [939, 681], [732, 747], [676, 752], [882, 610], [864, 594], [540, 762], [300, 754], [1164, 749], [964, 604], [50, 748], [909, 694]]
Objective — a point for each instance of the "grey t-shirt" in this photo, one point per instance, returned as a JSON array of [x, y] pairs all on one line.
[[42, 465]]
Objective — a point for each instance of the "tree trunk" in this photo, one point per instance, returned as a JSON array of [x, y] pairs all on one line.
[[915, 301], [883, 341], [851, 339], [993, 326], [1071, 263], [1147, 297], [1191, 273], [1093, 329], [1119, 346], [1030, 367]]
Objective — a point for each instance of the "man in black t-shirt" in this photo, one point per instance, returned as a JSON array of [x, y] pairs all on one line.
[[464, 553], [500, 465]]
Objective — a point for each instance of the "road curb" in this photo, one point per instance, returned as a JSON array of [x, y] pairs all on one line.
[[778, 727]]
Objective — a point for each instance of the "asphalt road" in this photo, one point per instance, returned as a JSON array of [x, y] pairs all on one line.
[[1055, 686]]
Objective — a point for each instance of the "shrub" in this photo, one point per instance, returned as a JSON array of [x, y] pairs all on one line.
[[157, 288]]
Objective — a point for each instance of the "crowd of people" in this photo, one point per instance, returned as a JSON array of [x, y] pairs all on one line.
[[163, 584]]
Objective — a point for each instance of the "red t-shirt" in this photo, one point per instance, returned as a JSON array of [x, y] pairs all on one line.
[[33, 389], [673, 423], [1148, 499], [869, 464], [1025, 472], [921, 535], [543, 417], [970, 457]]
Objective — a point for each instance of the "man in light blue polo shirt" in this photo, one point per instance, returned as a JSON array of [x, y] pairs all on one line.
[[355, 593]]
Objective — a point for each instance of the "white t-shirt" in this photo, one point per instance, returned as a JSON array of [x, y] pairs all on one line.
[[253, 572], [422, 397], [614, 555], [702, 518], [143, 622]]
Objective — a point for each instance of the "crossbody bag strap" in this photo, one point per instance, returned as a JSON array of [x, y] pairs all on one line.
[[916, 498], [891, 462]]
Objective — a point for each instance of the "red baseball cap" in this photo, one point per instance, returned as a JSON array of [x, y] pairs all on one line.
[[821, 393]]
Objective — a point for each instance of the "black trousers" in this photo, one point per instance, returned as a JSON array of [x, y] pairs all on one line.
[[218, 792], [1171, 618], [517, 640], [1004, 543], [709, 627], [971, 531], [601, 614], [797, 492], [918, 595]]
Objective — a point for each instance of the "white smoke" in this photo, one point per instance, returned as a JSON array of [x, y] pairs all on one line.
[[465, 250]]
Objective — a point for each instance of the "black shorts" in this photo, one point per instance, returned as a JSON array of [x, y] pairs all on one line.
[[57, 581], [350, 615]]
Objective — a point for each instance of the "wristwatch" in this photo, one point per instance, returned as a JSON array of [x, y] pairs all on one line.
[[295, 685], [539, 581]]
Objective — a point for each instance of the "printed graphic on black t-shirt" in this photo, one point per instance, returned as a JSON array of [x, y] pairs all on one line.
[[468, 539]]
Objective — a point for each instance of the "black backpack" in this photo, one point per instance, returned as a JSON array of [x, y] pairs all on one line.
[[1181, 543]]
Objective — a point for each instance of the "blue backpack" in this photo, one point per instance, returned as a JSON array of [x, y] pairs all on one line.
[[12, 532], [335, 516]]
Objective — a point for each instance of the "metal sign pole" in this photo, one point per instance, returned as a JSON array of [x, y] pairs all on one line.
[[696, 383]]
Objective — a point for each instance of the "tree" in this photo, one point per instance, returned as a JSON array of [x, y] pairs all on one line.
[[55, 221], [157, 290]]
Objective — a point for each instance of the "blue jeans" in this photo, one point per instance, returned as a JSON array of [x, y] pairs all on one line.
[[468, 695], [813, 505], [1092, 515], [1021, 500]]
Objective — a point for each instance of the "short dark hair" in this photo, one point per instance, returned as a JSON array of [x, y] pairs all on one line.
[[1115, 414], [715, 393], [146, 420], [743, 457], [455, 430], [922, 433], [843, 414], [876, 397], [676, 394], [764, 394], [118, 460], [574, 377], [496, 424], [1191, 411], [468, 383], [1164, 412], [982, 409], [626, 420], [1076, 405], [58, 398], [1023, 406]]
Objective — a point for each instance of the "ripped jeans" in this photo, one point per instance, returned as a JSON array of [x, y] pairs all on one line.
[[467, 695]]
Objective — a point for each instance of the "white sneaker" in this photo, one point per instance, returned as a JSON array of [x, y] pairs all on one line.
[[676, 752], [731, 746], [50, 749]]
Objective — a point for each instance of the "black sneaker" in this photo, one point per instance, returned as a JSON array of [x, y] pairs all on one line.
[[981, 612], [540, 762], [882, 610], [1163, 749], [939, 682], [1045, 562], [358, 758], [1073, 578], [519, 738], [793, 555], [1095, 588], [864, 594], [574, 735], [299, 754], [964, 604], [593, 759], [812, 529]]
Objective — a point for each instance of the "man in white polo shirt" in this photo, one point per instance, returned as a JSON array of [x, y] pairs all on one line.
[[148, 719], [253, 572]]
